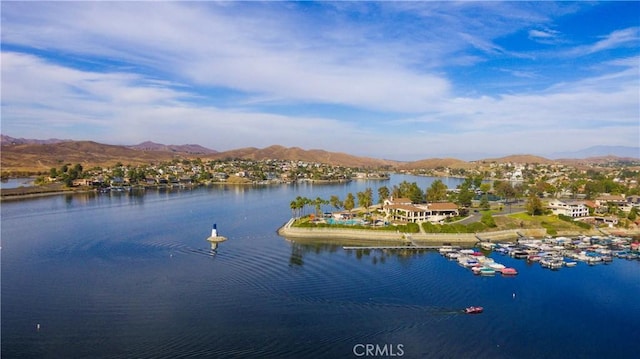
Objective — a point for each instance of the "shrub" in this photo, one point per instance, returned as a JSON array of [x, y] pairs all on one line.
[[487, 220]]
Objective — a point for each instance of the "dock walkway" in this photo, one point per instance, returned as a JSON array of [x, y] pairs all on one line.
[[391, 247]]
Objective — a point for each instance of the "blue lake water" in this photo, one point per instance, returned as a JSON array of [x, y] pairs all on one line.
[[132, 276], [16, 182]]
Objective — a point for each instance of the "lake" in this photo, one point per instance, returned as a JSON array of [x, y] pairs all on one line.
[[130, 275]]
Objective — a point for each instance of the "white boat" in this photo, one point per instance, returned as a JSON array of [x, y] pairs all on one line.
[[452, 255], [497, 266], [487, 271]]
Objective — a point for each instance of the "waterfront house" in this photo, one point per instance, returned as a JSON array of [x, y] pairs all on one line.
[[403, 210], [618, 201], [82, 182], [634, 200], [569, 208]]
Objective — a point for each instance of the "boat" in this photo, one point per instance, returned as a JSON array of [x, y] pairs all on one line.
[[570, 263], [473, 310], [519, 254], [509, 271], [496, 266], [487, 271]]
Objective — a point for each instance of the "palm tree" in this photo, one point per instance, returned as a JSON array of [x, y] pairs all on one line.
[[294, 208], [349, 202], [335, 202], [383, 193], [318, 202]]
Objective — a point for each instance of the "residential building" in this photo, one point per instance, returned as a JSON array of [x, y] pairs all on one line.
[[569, 208], [403, 210]]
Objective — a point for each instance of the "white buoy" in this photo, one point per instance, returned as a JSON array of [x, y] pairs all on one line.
[[514, 295], [38, 327]]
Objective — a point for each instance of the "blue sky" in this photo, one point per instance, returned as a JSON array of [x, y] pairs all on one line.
[[395, 80]]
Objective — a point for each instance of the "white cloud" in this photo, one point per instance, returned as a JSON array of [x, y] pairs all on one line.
[[157, 78], [263, 55]]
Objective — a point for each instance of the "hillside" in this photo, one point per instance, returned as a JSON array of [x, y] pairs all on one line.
[[435, 163], [40, 157], [191, 148], [296, 153], [30, 157], [33, 156], [519, 159]]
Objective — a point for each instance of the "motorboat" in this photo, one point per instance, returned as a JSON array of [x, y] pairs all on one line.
[[509, 271], [487, 271], [473, 310]]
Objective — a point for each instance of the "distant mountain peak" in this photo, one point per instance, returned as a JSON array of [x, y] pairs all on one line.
[[600, 151], [8, 140], [189, 148]]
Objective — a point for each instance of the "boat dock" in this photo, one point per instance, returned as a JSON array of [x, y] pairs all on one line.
[[390, 247]]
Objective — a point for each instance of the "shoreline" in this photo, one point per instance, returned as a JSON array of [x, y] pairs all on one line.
[[364, 236]]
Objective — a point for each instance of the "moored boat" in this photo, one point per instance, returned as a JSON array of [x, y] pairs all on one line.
[[487, 271], [509, 271], [497, 266]]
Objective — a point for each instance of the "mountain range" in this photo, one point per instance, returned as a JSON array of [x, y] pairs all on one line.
[[31, 155]]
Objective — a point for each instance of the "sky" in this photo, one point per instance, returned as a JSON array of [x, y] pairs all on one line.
[[389, 80]]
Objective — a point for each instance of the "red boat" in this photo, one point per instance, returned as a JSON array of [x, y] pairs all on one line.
[[473, 310]]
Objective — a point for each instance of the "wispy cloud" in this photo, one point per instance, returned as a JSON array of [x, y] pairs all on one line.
[[228, 75], [625, 38], [545, 36]]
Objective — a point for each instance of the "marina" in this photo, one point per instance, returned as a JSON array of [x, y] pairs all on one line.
[[550, 253]]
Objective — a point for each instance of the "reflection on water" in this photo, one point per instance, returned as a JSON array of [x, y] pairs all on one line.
[[304, 247]]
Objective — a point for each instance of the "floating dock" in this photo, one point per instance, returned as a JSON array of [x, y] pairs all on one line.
[[391, 247]]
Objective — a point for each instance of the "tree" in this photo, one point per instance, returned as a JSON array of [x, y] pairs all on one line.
[[383, 193], [465, 196], [367, 198], [361, 199], [318, 202], [593, 189], [484, 202], [409, 190], [77, 167], [534, 205], [633, 214], [477, 181], [335, 202], [301, 203], [487, 220], [504, 189], [437, 192], [349, 202], [294, 208], [395, 192]]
